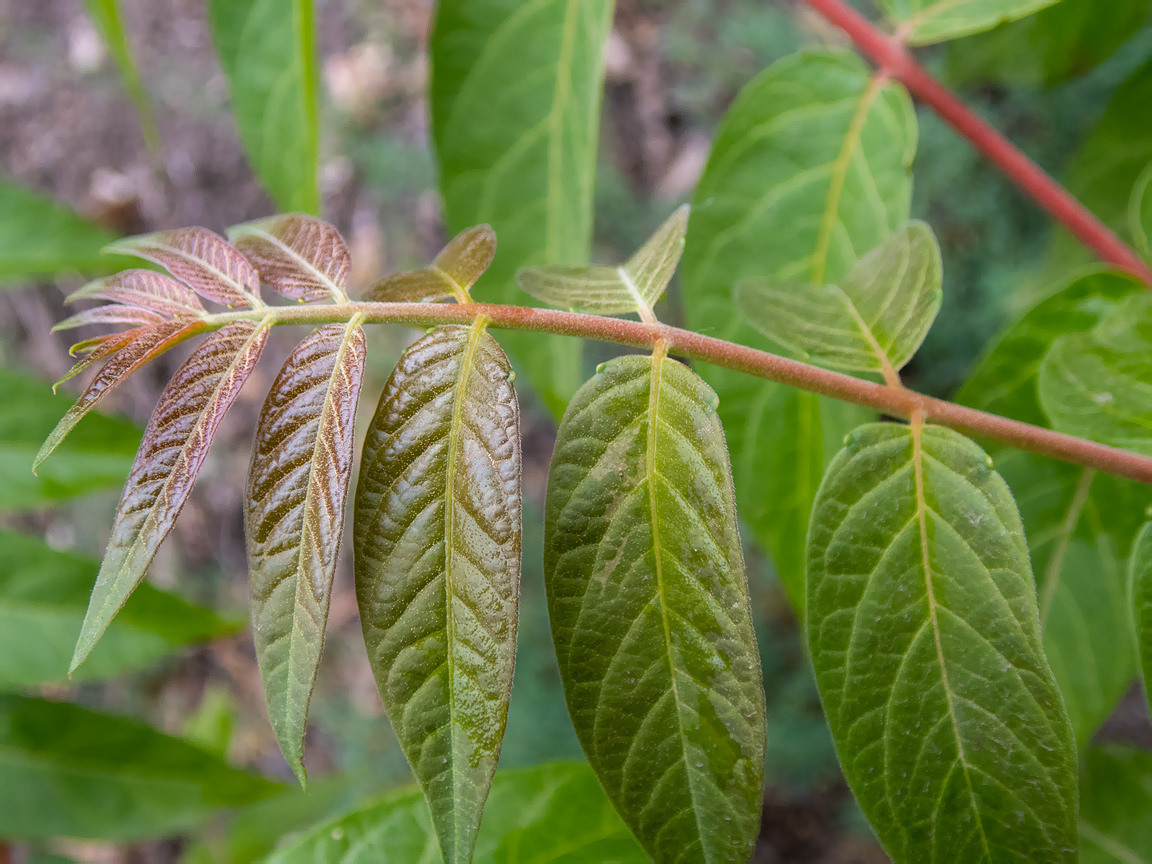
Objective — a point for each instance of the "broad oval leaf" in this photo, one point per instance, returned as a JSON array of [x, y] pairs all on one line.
[[549, 813], [437, 539], [294, 516], [1140, 213], [204, 261], [454, 271], [1116, 806], [267, 51], [1140, 579], [66, 771], [649, 608], [145, 344], [924, 635], [174, 448], [810, 168], [144, 289], [922, 22], [43, 596], [515, 108], [1098, 385], [874, 320], [297, 255], [634, 286]]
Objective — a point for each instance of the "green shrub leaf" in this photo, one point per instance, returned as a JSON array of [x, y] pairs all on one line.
[[1116, 806], [515, 104], [649, 609], [550, 813], [268, 53], [1098, 385], [873, 321], [106, 15], [1140, 213], [66, 771], [1140, 577], [810, 165], [923, 22], [43, 596], [634, 286], [923, 630], [437, 539], [174, 448], [294, 516]]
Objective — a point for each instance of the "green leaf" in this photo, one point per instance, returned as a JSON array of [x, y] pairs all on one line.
[[1098, 385], [294, 516], [924, 635], [1059, 42], [515, 105], [923, 22], [268, 53], [174, 448], [1140, 213], [1116, 806], [649, 608], [1079, 525], [549, 813], [106, 15], [97, 456], [634, 286], [67, 771], [437, 538], [39, 237], [454, 271], [1140, 580], [43, 595], [809, 170], [873, 321]]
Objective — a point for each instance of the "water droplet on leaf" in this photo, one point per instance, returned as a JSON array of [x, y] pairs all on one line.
[[600, 368]]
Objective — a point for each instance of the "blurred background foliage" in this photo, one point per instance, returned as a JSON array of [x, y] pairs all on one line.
[[165, 152]]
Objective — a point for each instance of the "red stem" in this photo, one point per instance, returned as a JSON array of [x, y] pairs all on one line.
[[894, 59]]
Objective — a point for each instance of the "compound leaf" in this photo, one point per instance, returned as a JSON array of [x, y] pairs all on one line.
[[66, 771], [1116, 806], [451, 274], [268, 53], [294, 515], [649, 609], [924, 635], [43, 596], [635, 286], [204, 261], [515, 108], [175, 445], [1140, 214], [437, 539], [1098, 385], [810, 165], [549, 813], [297, 255], [923, 22], [873, 321], [1140, 578]]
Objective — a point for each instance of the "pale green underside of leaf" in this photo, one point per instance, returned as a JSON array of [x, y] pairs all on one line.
[[928, 21], [649, 609], [69, 772], [515, 105], [873, 321], [43, 596], [1140, 214], [267, 52], [1116, 806], [294, 516], [550, 814], [96, 456], [924, 634], [437, 537], [39, 237], [174, 448], [810, 169], [1098, 385], [1140, 577]]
